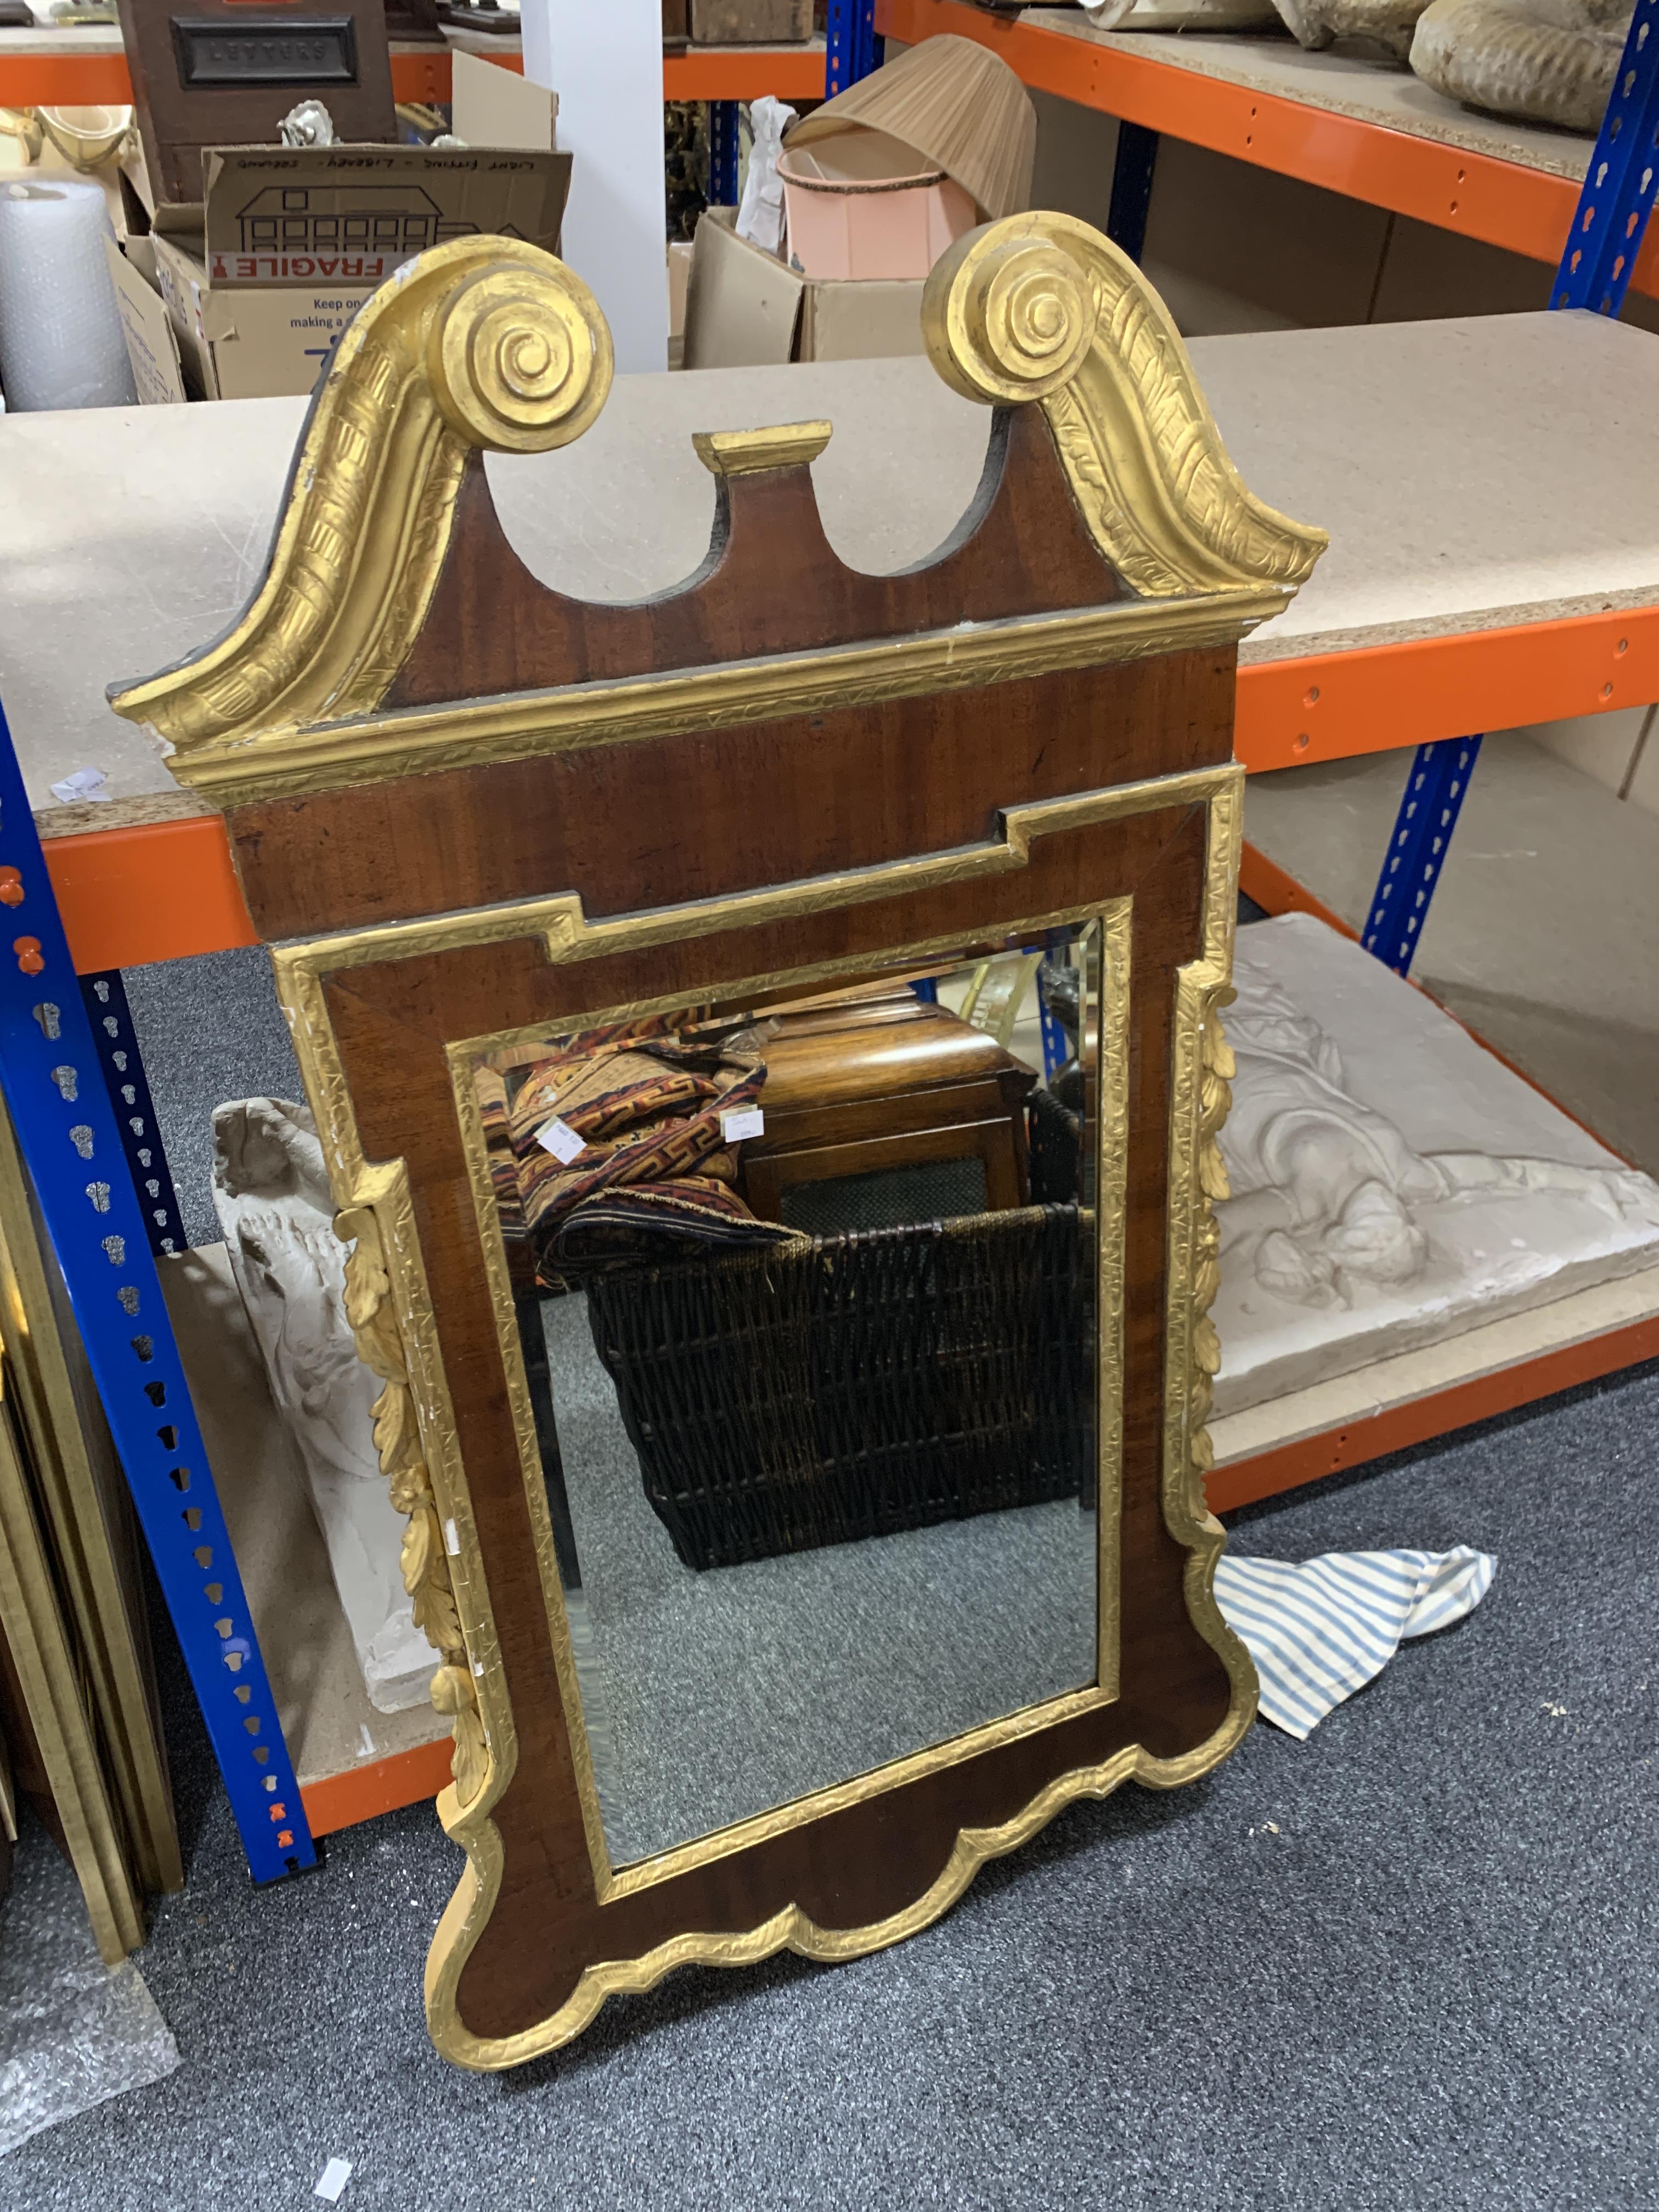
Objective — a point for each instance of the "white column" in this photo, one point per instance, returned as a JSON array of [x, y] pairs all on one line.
[[604, 59]]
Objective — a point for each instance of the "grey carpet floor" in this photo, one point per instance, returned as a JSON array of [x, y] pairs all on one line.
[[710, 1696], [1412, 1962], [209, 1029]]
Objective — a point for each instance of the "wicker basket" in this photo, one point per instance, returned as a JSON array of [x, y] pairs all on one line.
[[852, 1386], [1054, 1137]]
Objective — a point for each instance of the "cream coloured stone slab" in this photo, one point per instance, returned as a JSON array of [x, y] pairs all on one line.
[[1543, 938], [1406, 1377], [1490, 470], [1340, 82]]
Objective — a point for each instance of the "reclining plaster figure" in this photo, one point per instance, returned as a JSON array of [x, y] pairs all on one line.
[[1179, 14]]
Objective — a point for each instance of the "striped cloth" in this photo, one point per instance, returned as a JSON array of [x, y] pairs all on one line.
[[1320, 1631]]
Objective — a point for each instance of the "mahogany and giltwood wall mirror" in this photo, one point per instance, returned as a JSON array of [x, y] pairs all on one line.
[[764, 1042]]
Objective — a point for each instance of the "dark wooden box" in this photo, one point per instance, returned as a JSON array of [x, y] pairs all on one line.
[[220, 73], [750, 22]]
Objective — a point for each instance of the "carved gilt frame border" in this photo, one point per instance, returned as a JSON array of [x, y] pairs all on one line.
[[391, 1308]]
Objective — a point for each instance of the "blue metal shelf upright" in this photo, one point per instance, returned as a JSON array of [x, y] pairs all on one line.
[[76, 1090], [851, 49], [1595, 275]]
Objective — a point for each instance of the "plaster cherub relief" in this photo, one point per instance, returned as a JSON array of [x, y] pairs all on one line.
[[1328, 1195], [1344, 1240]]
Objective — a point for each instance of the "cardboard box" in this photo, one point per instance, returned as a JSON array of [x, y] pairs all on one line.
[[744, 308], [750, 22], [250, 323], [679, 279], [494, 107], [148, 329], [221, 72], [259, 342], [353, 215]]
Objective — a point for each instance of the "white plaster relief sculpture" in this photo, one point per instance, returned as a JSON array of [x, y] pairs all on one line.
[[271, 1196], [1388, 24], [1393, 1184], [1546, 61]]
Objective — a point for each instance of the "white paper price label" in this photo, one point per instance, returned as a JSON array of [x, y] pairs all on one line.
[[747, 1121], [558, 1137]]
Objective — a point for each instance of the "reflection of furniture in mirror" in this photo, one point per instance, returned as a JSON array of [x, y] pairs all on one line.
[[997, 992], [881, 1109], [471, 813]]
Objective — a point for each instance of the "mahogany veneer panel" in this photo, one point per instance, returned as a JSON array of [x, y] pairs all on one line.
[[771, 583], [770, 801]]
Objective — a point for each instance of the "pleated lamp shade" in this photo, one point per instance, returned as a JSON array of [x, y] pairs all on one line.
[[955, 102]]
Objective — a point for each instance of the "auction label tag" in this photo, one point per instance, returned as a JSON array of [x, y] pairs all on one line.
[[558, 1137], [746, 1121]]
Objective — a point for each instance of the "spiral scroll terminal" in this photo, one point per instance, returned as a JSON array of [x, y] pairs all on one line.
[[520, 358]]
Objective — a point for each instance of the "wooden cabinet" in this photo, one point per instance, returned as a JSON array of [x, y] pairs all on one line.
[[881, 1109]]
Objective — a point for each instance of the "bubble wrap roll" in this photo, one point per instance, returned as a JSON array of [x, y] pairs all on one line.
[[60, 330]]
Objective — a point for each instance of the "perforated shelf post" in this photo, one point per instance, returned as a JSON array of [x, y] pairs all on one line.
[[1428, 815], [101, 1231], [723, 153], [851, 46], [1595, 272]]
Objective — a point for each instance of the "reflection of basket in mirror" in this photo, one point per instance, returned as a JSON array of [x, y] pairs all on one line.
[[852, 1386]]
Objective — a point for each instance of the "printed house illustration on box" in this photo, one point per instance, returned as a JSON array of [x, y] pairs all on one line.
[[396, 220]]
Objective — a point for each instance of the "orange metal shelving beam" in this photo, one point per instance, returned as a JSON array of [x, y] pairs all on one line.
[[1500, 202], [1370, 701], [740, 73]]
